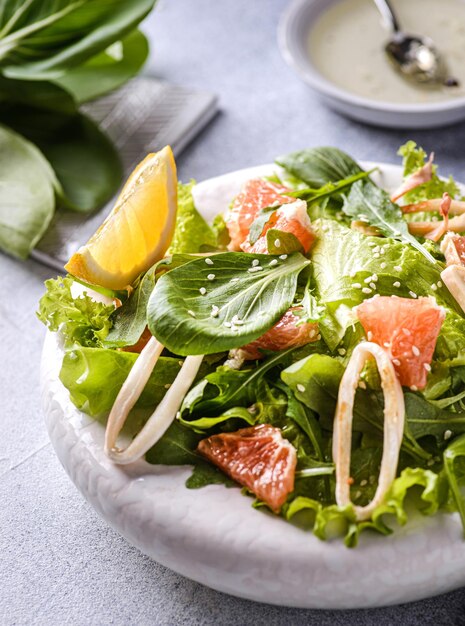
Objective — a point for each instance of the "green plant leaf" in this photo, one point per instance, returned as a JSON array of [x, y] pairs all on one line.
[[319, 166], [108, 70], [369, 203], [85, 161], [27, 201], [255, 289], [454, 453], [288, 242], [45, 39], [38, 94]]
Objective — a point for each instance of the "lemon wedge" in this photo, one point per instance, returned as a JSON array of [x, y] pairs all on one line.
[[137, 232]]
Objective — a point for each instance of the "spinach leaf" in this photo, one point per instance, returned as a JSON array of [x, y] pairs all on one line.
[[319, 166], [205, 474], [260, 222], [107, 70], [178, 446], [369, 203], [329, 189], [288, 242], [45, 39], [130, 320], [27, 201], [85, 161], [39, 94], [214, 305]]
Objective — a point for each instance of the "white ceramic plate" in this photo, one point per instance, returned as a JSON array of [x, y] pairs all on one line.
[[295, 24], [213, 535]]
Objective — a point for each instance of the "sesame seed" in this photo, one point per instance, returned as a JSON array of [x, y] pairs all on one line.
[[383, 266], [283, 257], [358, 494], [318, 337], [386, 344], [362, 384], [227, 324], [439, 284], [255, 262], [211, 276], [374, 278], [434, 287], [312, 333], [208, 261], [273, 262], [382, 250], [366, 290], [256, 268], [369, 335], [376, 249], [234, 280], [215, 311], [430, 462], [203, 291], [277, 243], [352, 274], [191, 313], [447, 434], [342, 351], [396, 362], [406, 332], [413, 294], [376, 255], [373, 285], [167, 386], [363, 483], [427, 367], [300, 388], [415, 351], [413, 387], [396, 284], [398, 268], [357, 285], [367, 280]]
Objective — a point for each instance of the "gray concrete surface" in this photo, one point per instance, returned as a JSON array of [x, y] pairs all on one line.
[[59, 563]]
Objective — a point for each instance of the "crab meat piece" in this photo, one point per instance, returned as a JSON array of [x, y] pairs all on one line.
[[454, 279], [394, 416], [453, 248], [457, 207], [417, 178]]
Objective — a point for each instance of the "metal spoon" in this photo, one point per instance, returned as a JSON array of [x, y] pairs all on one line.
[[414, 56]]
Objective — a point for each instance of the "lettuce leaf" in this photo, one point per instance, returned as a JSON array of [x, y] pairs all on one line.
[[414, 157], [81, 321], [343, 261], [192, 233], [94, 376]]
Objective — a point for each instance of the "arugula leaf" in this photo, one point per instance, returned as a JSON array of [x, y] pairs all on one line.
[[427, 418], [81, 320], [319, 166], [369, 203], [61, 34], [413, 159], [260, 222], [178, 446], [85, 161], [192, 233], [205, 474], [226, 389], [27, 201], [107, 70], [94, 376], [244, 299]]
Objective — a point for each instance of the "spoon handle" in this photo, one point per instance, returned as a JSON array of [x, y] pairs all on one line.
[[388, 14]]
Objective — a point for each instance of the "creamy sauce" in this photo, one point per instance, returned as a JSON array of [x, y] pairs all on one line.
[[346, 45]]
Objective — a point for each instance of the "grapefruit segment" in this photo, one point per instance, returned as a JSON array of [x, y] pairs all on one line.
[[291, 218], [289, 332], [407, 329], [258, 458], [256, 194]]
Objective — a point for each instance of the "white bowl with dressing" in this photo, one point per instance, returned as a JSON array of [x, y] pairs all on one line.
[[363, 85]]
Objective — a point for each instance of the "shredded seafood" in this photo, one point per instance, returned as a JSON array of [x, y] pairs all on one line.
[[417, 178], [394, 415]]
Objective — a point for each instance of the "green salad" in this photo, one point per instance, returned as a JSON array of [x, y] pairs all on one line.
[[307, 346]]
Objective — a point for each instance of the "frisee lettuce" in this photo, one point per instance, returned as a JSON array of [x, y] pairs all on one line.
[[80, 320]]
